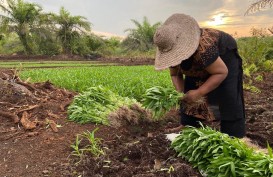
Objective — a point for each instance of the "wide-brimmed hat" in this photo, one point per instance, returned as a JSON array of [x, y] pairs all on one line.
[[176, 40]]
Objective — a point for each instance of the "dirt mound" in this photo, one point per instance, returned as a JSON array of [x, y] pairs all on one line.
[[31, 105]]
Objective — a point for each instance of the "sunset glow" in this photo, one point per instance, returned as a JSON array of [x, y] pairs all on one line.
[[217, 20]]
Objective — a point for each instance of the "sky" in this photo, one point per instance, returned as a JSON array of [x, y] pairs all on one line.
[[114, 16]]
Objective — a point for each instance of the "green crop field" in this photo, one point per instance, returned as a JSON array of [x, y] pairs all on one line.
[[48, 64], [130, 81]]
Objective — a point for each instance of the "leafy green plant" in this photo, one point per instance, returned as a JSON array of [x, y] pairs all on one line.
[[24, 19], [95, 104], [251, 88], [161, 100], [249, 72], [69, 28], [217, 154], [268, 65], [94, 143], [141, 37], [76, 149], [255, 50]]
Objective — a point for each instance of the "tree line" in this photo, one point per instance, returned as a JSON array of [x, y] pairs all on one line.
[[25, 27]]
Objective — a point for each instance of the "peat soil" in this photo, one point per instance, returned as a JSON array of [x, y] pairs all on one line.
[[36, 138]]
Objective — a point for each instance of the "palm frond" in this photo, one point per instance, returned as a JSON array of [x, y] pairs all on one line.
[[141, 37], [259, 5]]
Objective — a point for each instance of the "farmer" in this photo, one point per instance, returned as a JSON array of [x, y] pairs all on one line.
[[203, 63]]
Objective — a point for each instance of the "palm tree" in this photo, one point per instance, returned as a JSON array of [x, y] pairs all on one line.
[[69, 28], [22, 18], [260, 4], [141, 37]]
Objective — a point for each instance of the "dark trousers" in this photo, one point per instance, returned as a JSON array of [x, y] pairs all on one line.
[[234, 128]]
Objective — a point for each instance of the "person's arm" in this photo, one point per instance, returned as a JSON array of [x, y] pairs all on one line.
[[218, 71], [177, 78]]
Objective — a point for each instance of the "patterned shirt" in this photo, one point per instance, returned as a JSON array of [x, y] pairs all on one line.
[[213, 43]]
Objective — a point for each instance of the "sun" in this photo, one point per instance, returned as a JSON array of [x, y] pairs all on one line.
[[217, 20]]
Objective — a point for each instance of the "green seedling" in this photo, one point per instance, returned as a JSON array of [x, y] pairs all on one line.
[[92, 147], [94, 143], [76, 149]]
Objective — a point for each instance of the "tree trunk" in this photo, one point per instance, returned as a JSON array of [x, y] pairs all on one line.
[[23, 39]]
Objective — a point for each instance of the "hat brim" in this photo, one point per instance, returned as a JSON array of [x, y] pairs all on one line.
[[185, 46]]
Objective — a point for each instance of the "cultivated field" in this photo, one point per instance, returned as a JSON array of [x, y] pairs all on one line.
[[39, 138]]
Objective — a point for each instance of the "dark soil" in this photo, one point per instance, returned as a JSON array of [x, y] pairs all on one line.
[[38, 147], [259, 112]]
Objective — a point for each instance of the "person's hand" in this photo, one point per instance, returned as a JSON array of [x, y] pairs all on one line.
[[192, 96]]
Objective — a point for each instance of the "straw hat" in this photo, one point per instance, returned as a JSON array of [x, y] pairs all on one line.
[[176, 40]]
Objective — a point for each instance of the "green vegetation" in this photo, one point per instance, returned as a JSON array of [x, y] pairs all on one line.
[[257, 51], [95, 104], [127, 81], [161, 100], [257, 55], [48, 64], [25, 28], [24, 19], [68, 31], [141, 37], [217, 154], [77, 151], [93, 145], [10, 44]]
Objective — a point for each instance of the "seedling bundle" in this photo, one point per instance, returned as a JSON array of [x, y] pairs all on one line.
[[95, 104], [161, 100], [218, 155]]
